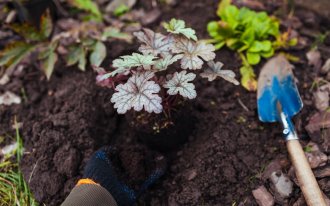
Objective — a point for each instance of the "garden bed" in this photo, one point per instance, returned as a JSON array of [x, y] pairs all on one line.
[[68, 118]]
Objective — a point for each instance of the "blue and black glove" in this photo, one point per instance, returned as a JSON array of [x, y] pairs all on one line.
[[101, 184]]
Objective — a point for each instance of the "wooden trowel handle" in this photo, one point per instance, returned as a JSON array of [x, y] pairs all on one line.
[[306, 178]]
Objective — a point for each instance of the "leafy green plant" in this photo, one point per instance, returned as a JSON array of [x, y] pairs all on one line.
[[252, 34], [88, 6], [87, 42], [149, 81], [16, 51], [81, 42]]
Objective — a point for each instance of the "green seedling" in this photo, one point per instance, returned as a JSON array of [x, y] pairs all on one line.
[[24, 95], [147, 80], [241, 119], [308, 149], [319, 39], [254, 35], [318, 82], [120, 10]]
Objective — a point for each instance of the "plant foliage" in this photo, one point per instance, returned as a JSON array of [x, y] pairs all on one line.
[[180, 83], [215, 70], [80, 42], [253, 34], [138, 92], [179, 27], [150, 80], [89, 6]]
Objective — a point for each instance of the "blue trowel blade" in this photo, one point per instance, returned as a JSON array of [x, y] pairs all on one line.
[[276, 83]]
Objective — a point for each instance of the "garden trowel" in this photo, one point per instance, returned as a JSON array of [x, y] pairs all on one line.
[[278, 101]]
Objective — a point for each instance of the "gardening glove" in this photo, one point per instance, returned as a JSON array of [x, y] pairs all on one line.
[[100, 185]]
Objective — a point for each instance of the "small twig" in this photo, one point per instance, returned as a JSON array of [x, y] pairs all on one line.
[[9, 19], [243, 105], [34, 167]]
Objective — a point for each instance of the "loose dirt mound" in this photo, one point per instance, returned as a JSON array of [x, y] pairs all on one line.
[[72, 119]]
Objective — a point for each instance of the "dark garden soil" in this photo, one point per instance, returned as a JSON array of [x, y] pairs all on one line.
[[68, 118]]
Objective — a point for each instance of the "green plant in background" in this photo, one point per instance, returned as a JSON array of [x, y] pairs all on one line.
[[90, 7], [13, 189], [120, 10], [31, 38], [89, 44], [82, 42], [252, 34]]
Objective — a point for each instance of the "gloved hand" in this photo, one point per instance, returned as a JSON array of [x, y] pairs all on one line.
[[101, 171]]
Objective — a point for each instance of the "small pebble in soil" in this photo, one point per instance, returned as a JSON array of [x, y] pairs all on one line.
[[282, 186], [191, 174], [8, 149], [263, 197], [317, 128], [322, 97], [315, 157], [9, 98], [4, 79], [272, 167], [314, 58], [326, 67], [308, 102]]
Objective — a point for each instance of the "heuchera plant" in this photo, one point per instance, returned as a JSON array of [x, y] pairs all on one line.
[[150, 81], [252, 34]]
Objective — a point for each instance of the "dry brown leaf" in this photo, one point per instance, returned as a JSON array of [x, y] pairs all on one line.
[[314, 58]]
